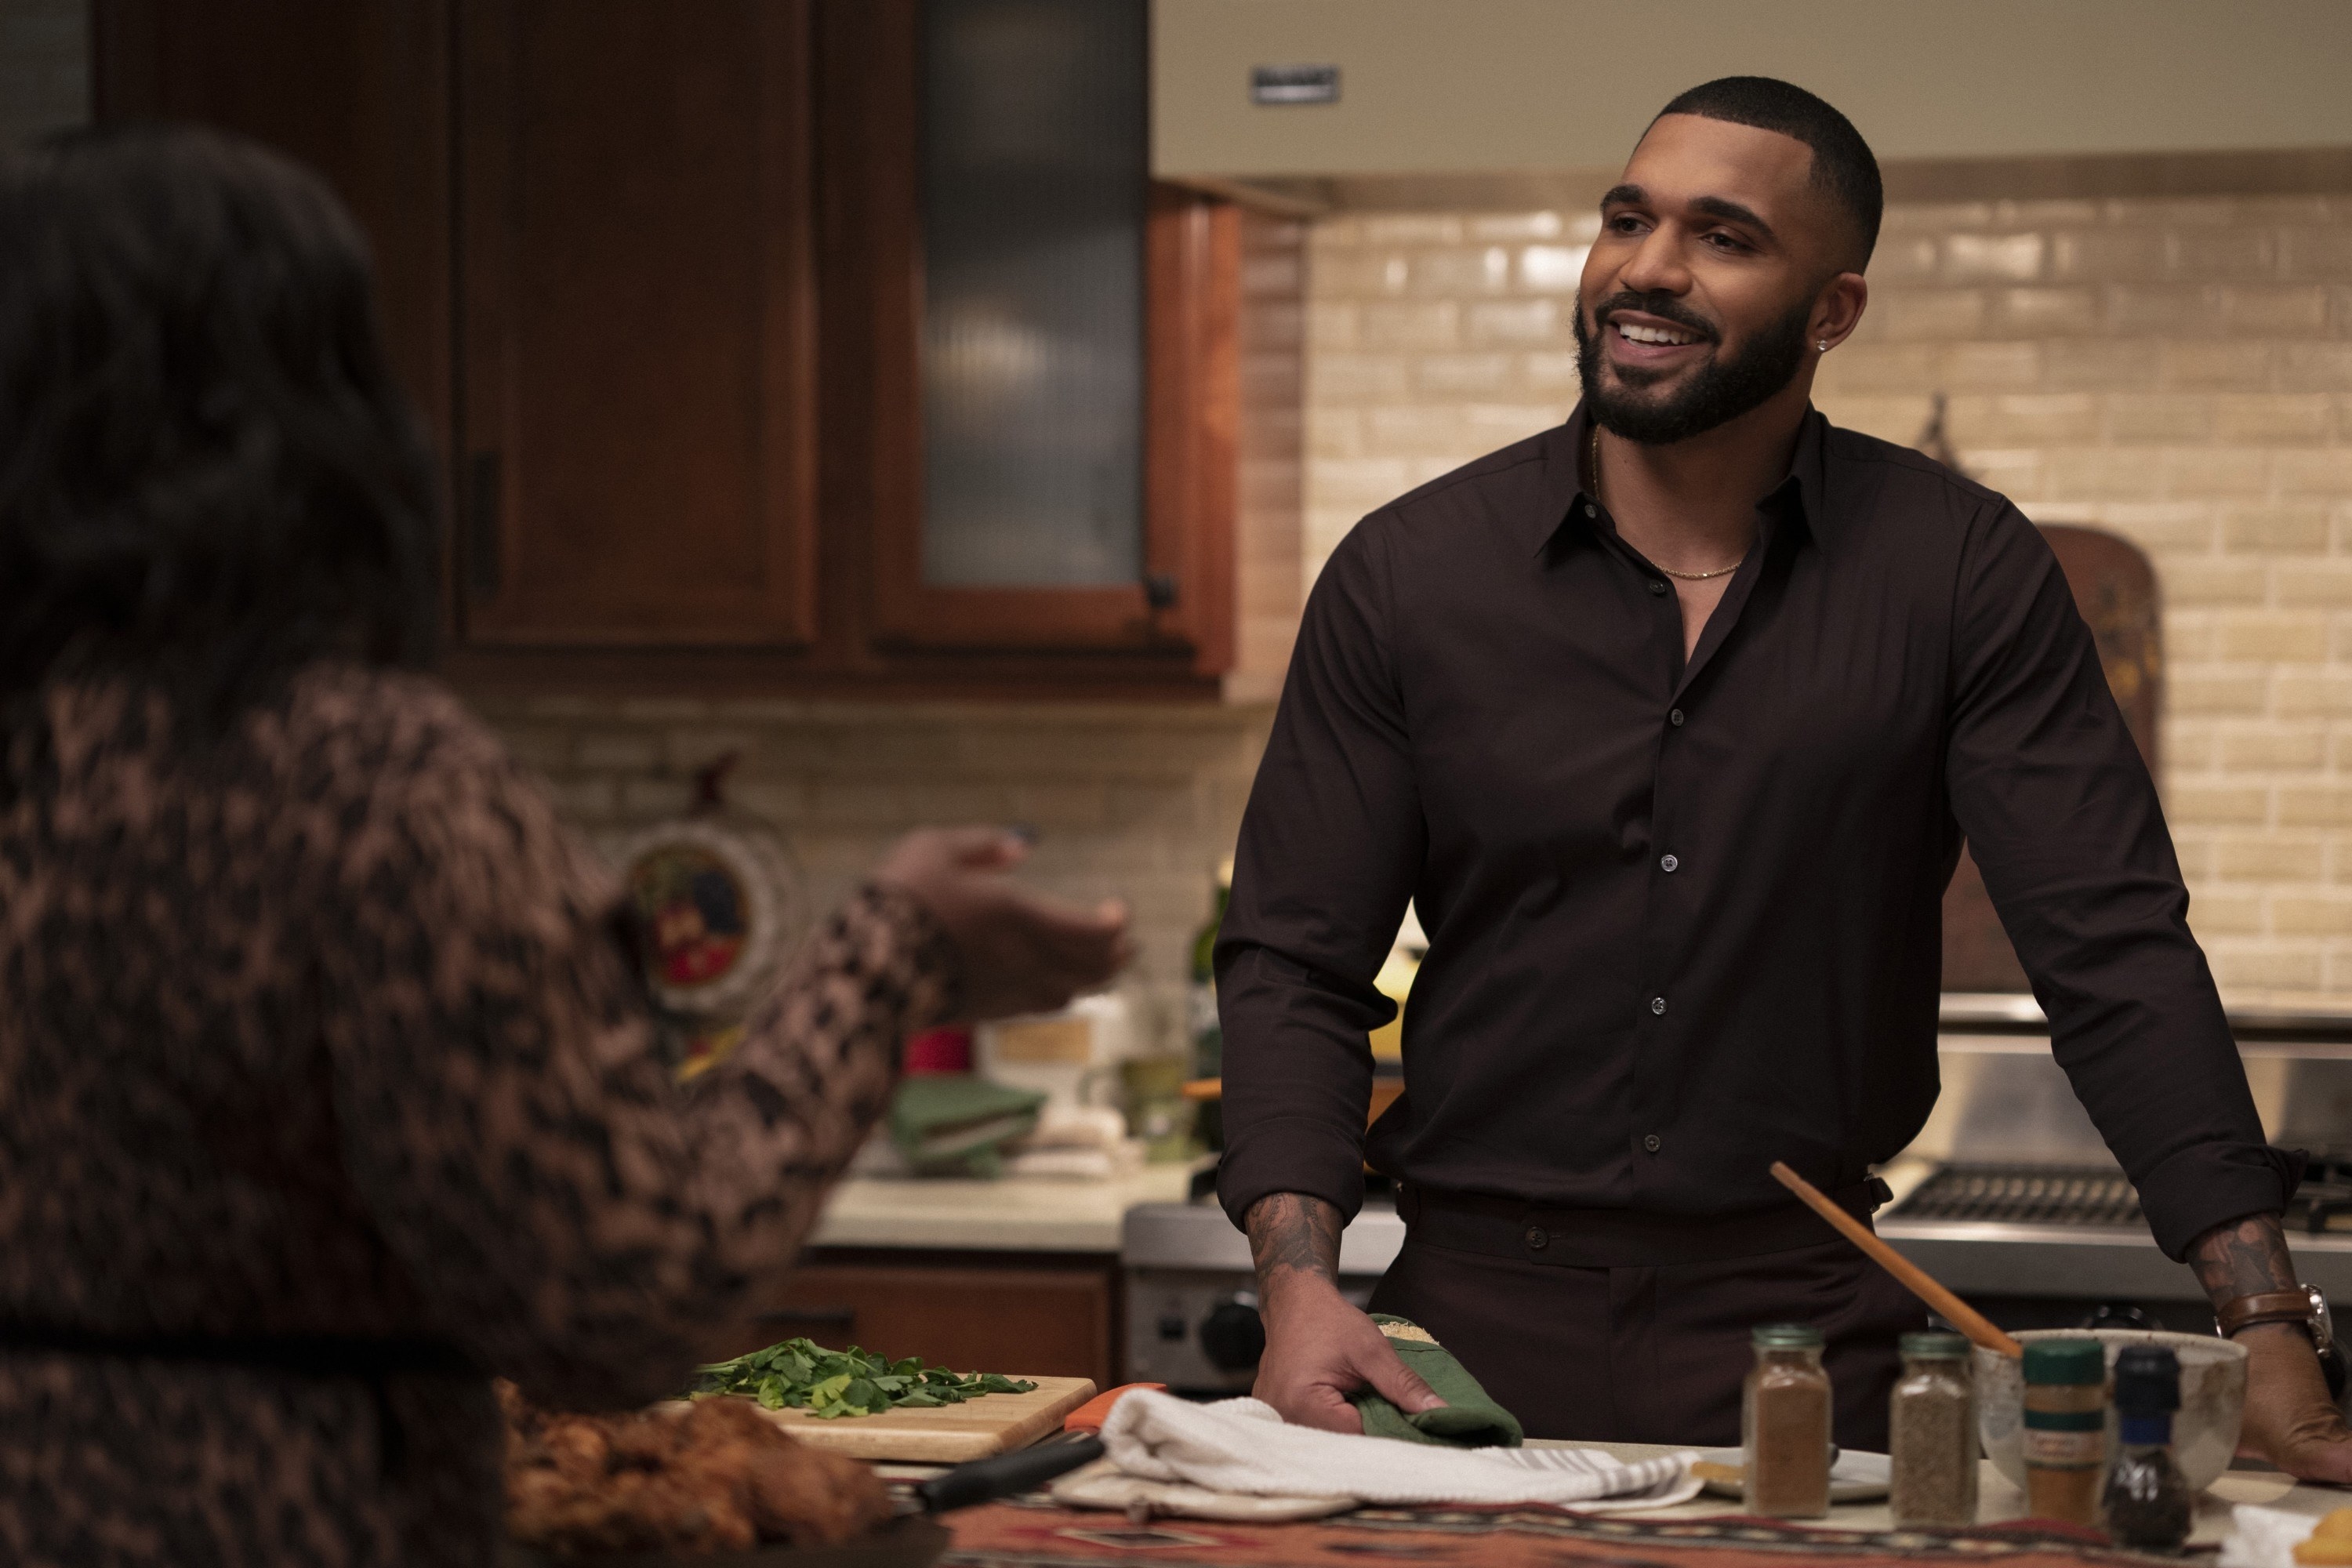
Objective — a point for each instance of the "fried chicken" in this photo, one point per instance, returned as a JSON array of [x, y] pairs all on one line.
[[710, 1476]]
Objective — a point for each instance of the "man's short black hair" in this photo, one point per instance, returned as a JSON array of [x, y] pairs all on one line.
[[1843, 162]]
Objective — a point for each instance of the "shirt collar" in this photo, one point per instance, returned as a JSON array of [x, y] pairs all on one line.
[[1799, 496]]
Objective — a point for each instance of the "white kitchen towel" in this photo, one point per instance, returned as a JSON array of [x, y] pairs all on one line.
[[1242, 1446], [2264, 1536]]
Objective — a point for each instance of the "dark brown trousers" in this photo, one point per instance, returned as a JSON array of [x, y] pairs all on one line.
[[1654, 1355]]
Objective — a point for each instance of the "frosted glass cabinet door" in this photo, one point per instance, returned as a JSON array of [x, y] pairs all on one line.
[[1034, 169], [1034, 344]]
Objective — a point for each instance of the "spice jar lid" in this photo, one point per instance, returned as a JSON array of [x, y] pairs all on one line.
[[2148, 1380], [2065, 1360], [1936, 1346], [1788, 1337]]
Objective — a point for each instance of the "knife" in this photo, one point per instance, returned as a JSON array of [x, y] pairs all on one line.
[[1025, 1469]]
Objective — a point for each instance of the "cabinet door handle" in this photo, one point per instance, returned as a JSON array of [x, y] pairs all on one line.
[[1160, 590], [484, 493], [842, 1318]]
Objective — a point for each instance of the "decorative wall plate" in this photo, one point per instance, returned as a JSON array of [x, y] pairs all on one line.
[[719, 910]]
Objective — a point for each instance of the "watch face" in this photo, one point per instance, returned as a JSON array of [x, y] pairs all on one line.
[[2323, 1321]]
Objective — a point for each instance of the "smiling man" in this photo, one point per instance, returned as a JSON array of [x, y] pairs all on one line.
[[1673, 720]]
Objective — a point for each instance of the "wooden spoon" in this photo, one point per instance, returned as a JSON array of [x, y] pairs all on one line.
[[1914, 1279]]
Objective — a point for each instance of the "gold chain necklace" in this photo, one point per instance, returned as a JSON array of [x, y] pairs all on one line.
[[1592, 461]]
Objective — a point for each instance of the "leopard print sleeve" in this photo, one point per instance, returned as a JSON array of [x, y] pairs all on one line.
[[571, 1215]]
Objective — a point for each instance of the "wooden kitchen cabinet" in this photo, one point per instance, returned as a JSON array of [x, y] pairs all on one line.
[[638, 344], [358, 90], [1052, 1316], [655, 273]]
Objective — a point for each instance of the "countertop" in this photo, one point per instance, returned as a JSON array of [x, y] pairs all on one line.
[[1018, 1214]]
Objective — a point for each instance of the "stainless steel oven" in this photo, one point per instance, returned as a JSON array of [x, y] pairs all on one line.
[[2009, 1197]]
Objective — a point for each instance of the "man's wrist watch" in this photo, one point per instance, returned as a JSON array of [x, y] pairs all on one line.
[[2305, 1305]]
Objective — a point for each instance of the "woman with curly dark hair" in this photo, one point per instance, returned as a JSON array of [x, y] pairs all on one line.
[[329, 1087]]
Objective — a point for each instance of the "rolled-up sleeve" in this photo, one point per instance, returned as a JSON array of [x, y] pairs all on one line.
[[1330, 846], [2063, 818]]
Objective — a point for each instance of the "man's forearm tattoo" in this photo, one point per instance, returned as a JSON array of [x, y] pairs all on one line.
[[2244, 1257], [1290, 1232]]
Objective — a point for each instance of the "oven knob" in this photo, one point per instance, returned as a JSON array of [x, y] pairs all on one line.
[[1233, 1336], [2119, 1315]]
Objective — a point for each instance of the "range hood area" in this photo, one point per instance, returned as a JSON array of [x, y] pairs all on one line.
[[2117, 91]]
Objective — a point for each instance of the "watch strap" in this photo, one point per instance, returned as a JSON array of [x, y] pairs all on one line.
[[2263, 1306]]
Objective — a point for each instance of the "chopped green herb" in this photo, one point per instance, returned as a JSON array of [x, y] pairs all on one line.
[[799, 1375]]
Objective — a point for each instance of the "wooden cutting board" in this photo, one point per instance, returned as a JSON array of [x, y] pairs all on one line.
[[992, 1424]]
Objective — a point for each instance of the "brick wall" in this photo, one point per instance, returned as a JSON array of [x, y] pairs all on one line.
[[1141, 801], [2178, 371]]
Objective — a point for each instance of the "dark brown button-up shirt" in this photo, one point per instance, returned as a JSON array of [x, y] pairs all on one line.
[[1684, 917]]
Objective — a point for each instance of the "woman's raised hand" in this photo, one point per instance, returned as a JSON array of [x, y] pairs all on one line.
[[1023, 951]]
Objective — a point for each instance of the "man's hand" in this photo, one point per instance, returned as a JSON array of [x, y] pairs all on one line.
[[1022, 951], [1319, 1349], [2290, 1420]]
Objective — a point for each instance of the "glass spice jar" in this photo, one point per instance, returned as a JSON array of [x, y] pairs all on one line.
[[2147, 1502], [1784, 1425], [1932, 1427], [2065, 1428]]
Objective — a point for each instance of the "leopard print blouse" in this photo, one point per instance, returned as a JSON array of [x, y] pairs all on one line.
[[327, 1089]]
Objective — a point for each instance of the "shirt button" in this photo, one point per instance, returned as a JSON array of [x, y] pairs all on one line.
[[1657, 587], [1676, 717], [1537, 1237], [1588, 508], [1651, 1143], [1657, 1006], [1667, 863]]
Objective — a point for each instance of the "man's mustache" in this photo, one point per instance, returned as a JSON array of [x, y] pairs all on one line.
[[1658, 305]]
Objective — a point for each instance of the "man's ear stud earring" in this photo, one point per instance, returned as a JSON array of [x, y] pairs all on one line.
[[1823, 345]]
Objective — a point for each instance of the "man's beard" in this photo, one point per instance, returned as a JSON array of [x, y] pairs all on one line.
[[1722, 391]]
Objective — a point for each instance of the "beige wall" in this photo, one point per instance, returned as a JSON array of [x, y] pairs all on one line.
[[2178, 371], [1542, 84]]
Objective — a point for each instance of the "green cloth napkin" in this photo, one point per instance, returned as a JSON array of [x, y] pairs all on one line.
[[1468, 1419], [955, 1123]]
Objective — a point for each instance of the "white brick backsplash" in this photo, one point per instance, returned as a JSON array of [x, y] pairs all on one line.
[[1141, 803], [1517, 321], [1518, 226], [1552, 269], [1986, 258]]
